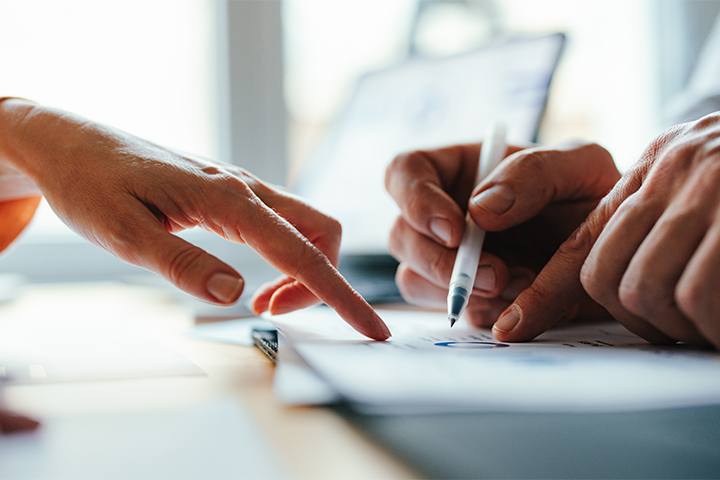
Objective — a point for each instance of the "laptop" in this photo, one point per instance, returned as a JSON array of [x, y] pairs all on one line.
[[418, 104]]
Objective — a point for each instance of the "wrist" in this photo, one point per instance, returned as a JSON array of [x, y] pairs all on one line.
[[32, 138], [14, 183], [13, 112]]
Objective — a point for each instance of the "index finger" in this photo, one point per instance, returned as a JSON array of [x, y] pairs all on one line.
[[419, 183], [430, 186], [286, 249]]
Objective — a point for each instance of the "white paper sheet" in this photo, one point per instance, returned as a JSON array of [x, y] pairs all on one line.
[[238, 332], [428, 367], [53, 349], [213, 440], [295, 383]]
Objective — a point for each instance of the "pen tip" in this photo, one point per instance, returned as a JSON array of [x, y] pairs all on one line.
[[453, 319]]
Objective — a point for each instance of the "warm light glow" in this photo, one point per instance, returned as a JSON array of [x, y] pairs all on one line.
[[144, 66]]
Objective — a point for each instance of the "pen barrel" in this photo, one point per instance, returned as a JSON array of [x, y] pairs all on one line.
[[468, 256], [492, 152], [465, 269], [466, 263]]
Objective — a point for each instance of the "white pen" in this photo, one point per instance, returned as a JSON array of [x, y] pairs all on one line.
[[466, 263]]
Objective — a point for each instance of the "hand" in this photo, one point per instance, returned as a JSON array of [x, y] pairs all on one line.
[[432, 189], [128, 196], [649, 253], [12, 423]]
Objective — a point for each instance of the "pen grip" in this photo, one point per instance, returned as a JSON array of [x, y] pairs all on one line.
[[468, 255]]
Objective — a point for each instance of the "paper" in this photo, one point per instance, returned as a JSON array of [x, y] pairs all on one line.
[[238, 332], [97, 332], [213, 440], [428, 367], [295, 383]]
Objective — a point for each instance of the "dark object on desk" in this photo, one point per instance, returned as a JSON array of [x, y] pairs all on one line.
[[682, 443], [373, 276], [267, 341]]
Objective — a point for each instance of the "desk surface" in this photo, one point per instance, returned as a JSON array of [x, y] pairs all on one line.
[[312, 442], [327, 443]]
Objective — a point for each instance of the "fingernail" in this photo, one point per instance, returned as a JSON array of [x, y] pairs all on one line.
[[485, 278], [508, 321], [497, 199], [385, 330], [441, 228], [224, 287], [380, 329]]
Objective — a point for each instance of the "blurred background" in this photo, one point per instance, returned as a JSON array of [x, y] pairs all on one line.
[[258, 82]]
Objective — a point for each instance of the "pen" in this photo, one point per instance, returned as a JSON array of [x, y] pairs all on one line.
[[468, 256]]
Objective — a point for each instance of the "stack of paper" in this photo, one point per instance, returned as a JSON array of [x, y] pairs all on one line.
[[428, 367]]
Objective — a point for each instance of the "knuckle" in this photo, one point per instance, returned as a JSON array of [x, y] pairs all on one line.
[[233, 183], [535, 163], [406, 161], [538, 291], [600, 152], [677, 160], [183, 263], [215, 180], [680, 153], [313, 259], [438, 266], [580, 242], [392, 168], [396, 241], [592, 284], [121, 240], [332, 227], [638, 298], [415, 200], [691, 298], [706, 122], [662, 141], [709, 148]]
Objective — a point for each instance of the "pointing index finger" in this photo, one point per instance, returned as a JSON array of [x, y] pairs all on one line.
[[286, 249]]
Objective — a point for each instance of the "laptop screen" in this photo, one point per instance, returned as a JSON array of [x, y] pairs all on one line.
[[422, 103]]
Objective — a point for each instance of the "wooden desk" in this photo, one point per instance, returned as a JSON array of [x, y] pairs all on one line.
[[312, 442]]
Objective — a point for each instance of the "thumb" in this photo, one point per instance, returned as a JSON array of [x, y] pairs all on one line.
[[142, 241], [193, 270], [527, 181]]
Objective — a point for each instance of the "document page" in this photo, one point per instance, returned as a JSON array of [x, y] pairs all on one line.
[[426, 366]]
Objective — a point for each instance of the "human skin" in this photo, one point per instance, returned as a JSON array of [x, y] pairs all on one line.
[[645, 247], [129, 196], [649, 253], [431, 186]]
